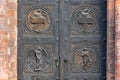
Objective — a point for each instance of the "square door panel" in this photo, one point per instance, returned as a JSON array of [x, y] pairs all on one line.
[[38, 20], [85, 20]]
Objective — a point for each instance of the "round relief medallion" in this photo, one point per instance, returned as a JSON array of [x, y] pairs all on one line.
[[85, 20], [84, 60], [38, 20], [38, 59]]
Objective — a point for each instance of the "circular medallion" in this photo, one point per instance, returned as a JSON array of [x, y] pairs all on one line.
[[85, 20], [38, 20], [84, 60], [38, 59]]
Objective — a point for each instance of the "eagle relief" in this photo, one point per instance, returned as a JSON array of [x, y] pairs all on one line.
[[85, 20], [38, 20]]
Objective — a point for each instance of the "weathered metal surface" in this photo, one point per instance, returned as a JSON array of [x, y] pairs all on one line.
[[61, 39], [37, 46], [38, 20]]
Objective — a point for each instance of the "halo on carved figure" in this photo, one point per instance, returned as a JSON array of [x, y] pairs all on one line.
[[38, 20], [84, 60], [38, 59], [85, 20]]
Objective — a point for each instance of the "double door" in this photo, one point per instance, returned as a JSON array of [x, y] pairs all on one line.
[[61, 39]]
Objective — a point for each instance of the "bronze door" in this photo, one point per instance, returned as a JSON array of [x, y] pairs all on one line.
[[84, 40], [38, 43], [61, 39]]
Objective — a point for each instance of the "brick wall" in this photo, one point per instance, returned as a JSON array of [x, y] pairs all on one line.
[[8, 28], [8, 34], [110, 39], [117, 39]]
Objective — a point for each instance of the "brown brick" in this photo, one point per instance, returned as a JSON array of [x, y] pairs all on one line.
[[11, 13], [8, 22]]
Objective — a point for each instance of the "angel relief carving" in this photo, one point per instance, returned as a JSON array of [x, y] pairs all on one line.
[[37, 59], [41, 59], [84, 60]]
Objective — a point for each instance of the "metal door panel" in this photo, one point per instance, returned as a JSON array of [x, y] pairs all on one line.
[[61, 39], [47, 69], [84, 40], [38, 40], [74, 60], [51, 14]]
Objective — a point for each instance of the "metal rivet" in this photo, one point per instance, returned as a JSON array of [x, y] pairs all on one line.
[[66, 0], [104, 0], [104, 39], [95, 70], [104, 19], [18, 1], [56, 59], [104, 78], [85, 1], [66, 20], [84, 78], [66, 39], [19, 20], [85, 40], [19, 38], [37, 1], [57, 39], [104, 58], [18, 58], [19, 77], [57, 78], [97, 31], [57, 1], [56, 4], [66, 78], [57, 20], [65, 60]]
